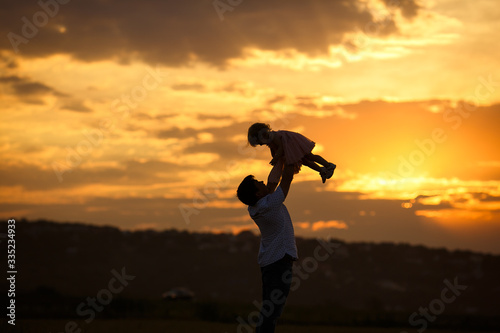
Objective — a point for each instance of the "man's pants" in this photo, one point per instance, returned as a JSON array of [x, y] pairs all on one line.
[[276, 282]]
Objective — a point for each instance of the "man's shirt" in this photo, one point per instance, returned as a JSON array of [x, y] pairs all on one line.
[[276, 229]]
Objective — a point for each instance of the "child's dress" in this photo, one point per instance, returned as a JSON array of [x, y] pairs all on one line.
[[295, 147]]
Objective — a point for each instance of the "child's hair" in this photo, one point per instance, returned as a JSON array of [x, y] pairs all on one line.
[[256, 131], [247, 191]]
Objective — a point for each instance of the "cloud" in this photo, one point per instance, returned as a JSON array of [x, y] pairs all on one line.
[[320, 106], [176, 132], [334, 214], [129, 173], [409, 8], [31, 88], [75, 105], [242, 88], [319, 225], [178, 32], [8, 62], [226, 149], [198, 87], [145, 226], [213, 117], [221, 133], [136, 178], [24, 87], [458, 198], [11, 79]]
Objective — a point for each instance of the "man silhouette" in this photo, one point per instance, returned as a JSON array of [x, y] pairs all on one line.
[[277, 245]]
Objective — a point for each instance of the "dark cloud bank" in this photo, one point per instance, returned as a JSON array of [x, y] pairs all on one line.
[[177, 32]]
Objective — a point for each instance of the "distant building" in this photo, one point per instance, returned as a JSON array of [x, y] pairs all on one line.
[[179, 293]]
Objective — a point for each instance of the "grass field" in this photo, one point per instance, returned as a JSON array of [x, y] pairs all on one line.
[[152, 326]]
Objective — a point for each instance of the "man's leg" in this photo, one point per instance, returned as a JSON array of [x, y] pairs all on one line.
[[276, 282]]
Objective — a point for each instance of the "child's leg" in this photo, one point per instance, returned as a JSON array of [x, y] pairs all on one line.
[[326, 171], [318, 159], [309, 163]]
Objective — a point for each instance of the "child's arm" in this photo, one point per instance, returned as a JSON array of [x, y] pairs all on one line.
[[279, 150], [274, 176], [271, 186], [286, 179]]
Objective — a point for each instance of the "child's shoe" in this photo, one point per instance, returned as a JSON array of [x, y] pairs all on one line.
[[331, 169], [327, 172], [324, 174]]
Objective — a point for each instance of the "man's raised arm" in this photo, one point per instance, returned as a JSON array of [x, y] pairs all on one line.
[[286, 179]]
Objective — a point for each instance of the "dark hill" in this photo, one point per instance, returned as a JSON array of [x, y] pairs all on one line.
[[77, 260]]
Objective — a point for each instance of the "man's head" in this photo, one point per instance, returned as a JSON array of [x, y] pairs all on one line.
[[251, 190]]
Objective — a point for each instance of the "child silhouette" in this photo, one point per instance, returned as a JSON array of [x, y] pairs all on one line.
[[288, 148]]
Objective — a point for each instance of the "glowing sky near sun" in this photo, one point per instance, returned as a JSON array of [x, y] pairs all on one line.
[[136, 115]]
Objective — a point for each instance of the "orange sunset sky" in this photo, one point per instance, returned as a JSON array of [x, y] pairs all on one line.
[[134, 114]]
